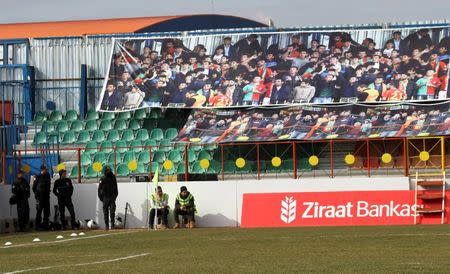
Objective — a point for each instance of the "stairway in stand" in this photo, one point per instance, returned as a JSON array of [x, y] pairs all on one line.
[[429, 195]]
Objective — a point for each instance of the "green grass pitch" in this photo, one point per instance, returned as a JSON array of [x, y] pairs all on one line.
[[375, 249]]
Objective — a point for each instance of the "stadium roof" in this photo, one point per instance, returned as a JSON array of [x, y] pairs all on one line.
[[124, 25]]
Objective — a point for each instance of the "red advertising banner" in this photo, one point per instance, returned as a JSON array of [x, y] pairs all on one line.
[[337, 209]]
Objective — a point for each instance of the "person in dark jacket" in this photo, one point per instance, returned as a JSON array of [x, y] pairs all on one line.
[[249, 46], [280, 93], [63, 189], [184, 206], [21, 190], [41, 190], [419, 40], [112, 99], [107, 193]]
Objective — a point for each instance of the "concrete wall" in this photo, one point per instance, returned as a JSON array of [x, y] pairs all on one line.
[[219, 203]]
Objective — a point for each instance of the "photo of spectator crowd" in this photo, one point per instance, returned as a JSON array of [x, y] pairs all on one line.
[[316, 122], [278, 69]]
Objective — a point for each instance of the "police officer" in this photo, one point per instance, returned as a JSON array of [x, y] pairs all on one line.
[[21, 190], [63, 189], [41, 190], [185, 206], [107, 193], [160, 207]]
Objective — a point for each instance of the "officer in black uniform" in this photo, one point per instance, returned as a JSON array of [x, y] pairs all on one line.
[[107, 193], [63, 189], [21, 190], [41, 190]]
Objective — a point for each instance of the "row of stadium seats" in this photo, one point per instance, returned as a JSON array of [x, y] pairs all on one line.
[[72, 115], [100, 136], [229, 167]]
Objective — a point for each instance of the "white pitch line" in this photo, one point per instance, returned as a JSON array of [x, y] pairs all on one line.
[[68, 240], [79, 264]]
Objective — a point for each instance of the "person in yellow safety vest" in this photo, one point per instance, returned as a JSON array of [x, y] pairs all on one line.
[[159, 206], [184, 206]]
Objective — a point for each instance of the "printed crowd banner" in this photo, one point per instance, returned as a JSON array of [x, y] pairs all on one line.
[[278, 68], [316, 122], [336, 209]]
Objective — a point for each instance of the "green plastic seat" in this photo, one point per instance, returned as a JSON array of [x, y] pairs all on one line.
[[98, 136], [110, 159], [91, 126], [140, 114], [62, 126], [140, 169], [53, 138], [175, 156], [76, 126], [214, 167], [108, 115], [39, 117], [157, 134], [151, 143], [48, 127], [100, 157], [134, 124], [68, 138], [229, 167], [181, 145], [211, 147], [122, 170], [56, 116], [192, 157], [204, 154], [136, 146], [181, 168], [195, 147], [105, 125], [171, 133], [155, 166], [142, 135], [106, 146], [155, 113], [165, 145], [83, 137], [197, 169], [40, 138], [128, 157], [144, 157], [91, 173], [127, 135], [91, 147], [126, 115], [113, 135], [121, 146], [85, 159], [159, 157], [71, 115], [120, 124], [92, 115], [74, 172]]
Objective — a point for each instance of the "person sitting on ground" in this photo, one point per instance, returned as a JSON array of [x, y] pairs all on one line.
[[184, 206], [159, 207]]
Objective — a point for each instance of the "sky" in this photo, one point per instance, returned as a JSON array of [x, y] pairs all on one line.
[[284, 13]]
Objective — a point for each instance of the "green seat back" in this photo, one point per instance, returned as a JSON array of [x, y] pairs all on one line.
[[159, 157], [140, 114], [120, 124], [126, 115], [134, 124], [91, 173], [144, 157], [100, 157], [142, 135], [92, 115], [91, 126], [121, 146], [91, 147], [106, 146], [157, 134], [204, 154], [68, 138], [71, 115], [136, 146], [62, 126], [77, 126], [83, 137], [85, 159], [48, 127], [106, 125], [108, 115], [122, 170], [171, 133], [128, 157], [74, 172], [98, 136], [127, 135], [113, 135], [175, 156], [39, 117], [40, 138], [165, 145], [56, 116]]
